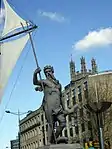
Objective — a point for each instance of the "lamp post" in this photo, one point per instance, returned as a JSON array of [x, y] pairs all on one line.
[[18, 114], [98, 108]]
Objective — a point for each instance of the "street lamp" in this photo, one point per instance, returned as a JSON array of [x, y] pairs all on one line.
[[18, 114], [98, 108]]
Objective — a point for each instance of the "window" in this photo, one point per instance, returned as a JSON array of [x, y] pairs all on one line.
[[73, 91], [46, 127], [75, 119], [80, 97], [78, 141], [89, 125], [71, 132], [86, 94], [85, 85], [83, 127], [81, 112], [36, 144], [68, 98], [35, 120], [68, 95], [67, 102], [76, 130], [79, 89], [86, 89], [43, 129], [69, 118], [33, 132], [73, 100], [47, 139], [79, 94], [65, 132], [42, 118], [31, 145], [28, 124], [44, 141], [75, 115]]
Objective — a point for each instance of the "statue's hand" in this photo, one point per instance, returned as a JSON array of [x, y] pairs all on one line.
[[39, 89], [38, 70]]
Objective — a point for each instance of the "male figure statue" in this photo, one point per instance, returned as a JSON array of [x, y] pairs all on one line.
[[52, 101]]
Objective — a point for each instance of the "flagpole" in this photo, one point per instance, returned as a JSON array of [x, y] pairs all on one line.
[[35, 57], [33, 48]]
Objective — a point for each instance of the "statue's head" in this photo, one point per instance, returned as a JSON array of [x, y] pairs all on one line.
[[48, 68], [49, 71]]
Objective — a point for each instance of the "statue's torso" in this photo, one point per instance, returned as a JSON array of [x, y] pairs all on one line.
[[52, 94], [50, 86]]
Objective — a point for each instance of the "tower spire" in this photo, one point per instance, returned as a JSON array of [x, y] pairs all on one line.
[[83, 65], [94, 66], [72, 69]]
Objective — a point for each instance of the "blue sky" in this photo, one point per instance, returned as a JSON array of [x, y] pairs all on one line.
[[80, 28]]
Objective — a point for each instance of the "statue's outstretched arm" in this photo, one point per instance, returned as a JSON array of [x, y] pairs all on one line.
[[35, 78]]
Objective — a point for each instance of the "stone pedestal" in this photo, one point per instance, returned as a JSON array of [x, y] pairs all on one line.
[[62, 146]]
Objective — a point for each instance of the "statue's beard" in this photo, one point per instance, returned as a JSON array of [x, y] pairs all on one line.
[[50, 76]]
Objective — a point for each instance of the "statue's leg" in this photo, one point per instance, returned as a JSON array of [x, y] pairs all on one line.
[[49, 119], [62, 123], [50, 134]]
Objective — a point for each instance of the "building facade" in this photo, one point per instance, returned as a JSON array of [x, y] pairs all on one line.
[[79, 129], [14, 144], [100, 90], [33, 130]]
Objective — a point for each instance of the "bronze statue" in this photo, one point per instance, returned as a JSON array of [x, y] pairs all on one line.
[[52, 101]]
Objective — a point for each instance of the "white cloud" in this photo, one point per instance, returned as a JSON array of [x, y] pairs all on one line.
[[2, 15], [52, 15], [102, 37]]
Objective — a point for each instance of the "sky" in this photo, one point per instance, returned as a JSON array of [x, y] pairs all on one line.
[[65, 28]]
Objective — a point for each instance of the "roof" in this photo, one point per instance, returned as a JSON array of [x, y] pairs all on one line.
[[102, 73]]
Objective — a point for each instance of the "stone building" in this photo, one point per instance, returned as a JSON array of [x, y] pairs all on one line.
[[100, 90], [83, 87], [79, 128], [14, 144], [33, 130]]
